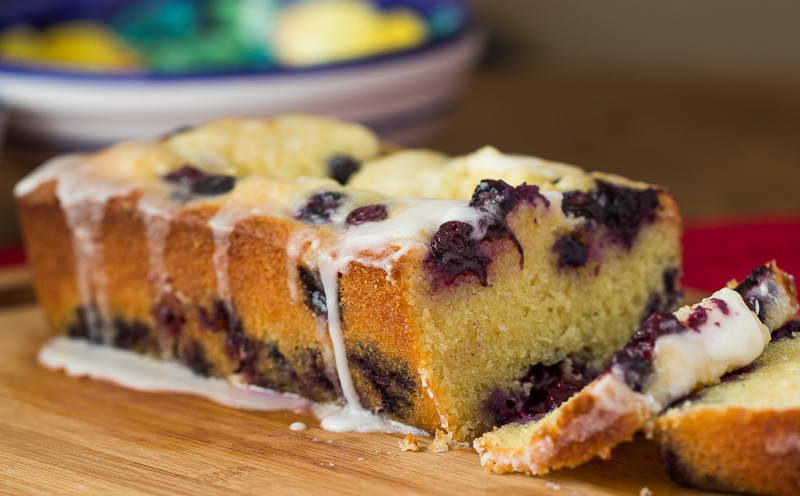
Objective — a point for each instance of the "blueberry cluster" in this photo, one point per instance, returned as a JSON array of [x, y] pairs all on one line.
[[455, 252]]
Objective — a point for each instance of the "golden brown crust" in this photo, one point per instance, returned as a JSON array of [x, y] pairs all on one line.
[[621, 422], [386, 322], [600, 417], [732, 449], [44, 227], [266, 327], [786, 280], [408, 443]]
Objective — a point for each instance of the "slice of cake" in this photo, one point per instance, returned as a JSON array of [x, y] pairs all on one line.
[[741, 435], [669, 356], [297, 255]]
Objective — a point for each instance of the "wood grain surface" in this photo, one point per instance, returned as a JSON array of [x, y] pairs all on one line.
[[75, 436]]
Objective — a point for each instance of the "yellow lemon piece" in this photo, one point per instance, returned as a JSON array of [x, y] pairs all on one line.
[[321, 31], [82, 44]]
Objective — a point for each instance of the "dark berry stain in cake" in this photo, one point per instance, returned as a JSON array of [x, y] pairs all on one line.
[[234, 339], [755, 290], [79, 327], [315, 383], [697, 318], [453, 252], [499, 197], [561, 392], [392, 385], [298, 370], [684, 399], [571, 251], [185, 176], [129, 335], [667, 300], [313, 291], [197, 182], [213, 185], [341, 167], [540, 390], [217, 319], [369, 213], [170, 316], [622, 210], [735, 375], [87, 324], [320, 207], [678, 472], [263, 364], [194, 356], [221, 319], [635, 360], [789, 330]]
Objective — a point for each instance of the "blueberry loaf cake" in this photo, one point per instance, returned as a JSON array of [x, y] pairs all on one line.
[[668, 357], [743, 434], [296, 254]]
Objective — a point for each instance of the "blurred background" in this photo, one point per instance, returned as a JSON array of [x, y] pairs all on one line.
[[700, 96]]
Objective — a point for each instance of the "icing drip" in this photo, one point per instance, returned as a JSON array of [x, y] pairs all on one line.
[[79, 358], [222, 224], [83, 197], [157, 214], [84, 220]]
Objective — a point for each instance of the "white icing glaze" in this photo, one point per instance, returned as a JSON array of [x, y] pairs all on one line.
[[506, 165], [685, 361], [80, 358], [157, 214], [84, 220], [354, 418], [49, 171]]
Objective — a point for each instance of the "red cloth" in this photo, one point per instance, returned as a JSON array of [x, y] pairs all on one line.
[[11, 255], [718, 251]]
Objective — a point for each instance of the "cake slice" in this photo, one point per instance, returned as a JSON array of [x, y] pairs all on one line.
[[297, 255], [741, 435], [669, 356]]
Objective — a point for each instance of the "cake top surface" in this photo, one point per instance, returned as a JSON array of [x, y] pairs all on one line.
[[294, 155]]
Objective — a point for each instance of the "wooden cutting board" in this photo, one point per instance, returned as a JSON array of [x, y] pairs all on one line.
[[65, 435]]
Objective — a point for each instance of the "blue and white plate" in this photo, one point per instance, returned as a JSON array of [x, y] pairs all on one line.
[[402, 95]]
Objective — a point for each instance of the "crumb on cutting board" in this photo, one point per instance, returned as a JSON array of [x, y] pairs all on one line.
[[408, 443], [441, 442]]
